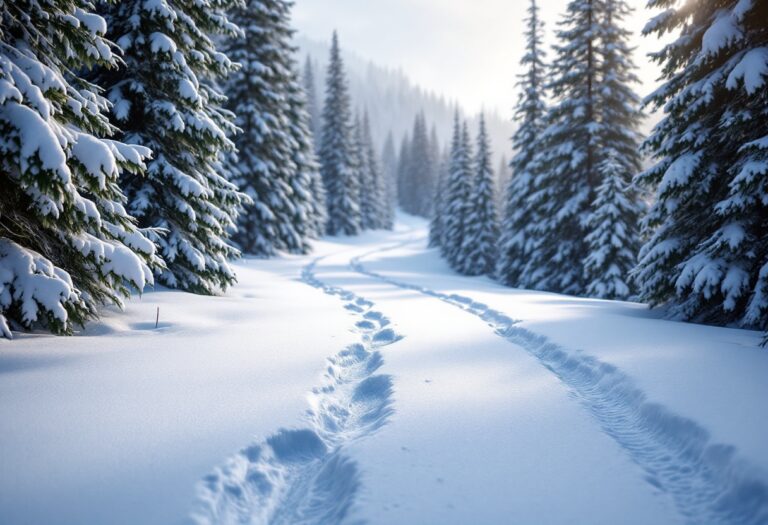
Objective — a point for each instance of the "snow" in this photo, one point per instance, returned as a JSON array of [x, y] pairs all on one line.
[[437, 399], [752, 69], [722, 33]]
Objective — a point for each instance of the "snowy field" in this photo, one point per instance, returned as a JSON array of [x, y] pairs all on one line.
[[367, 383]]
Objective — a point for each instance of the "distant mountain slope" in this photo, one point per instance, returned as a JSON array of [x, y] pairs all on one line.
[[393, 101]]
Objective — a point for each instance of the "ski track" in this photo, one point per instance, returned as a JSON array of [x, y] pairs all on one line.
[[707, 481], [303, 476]]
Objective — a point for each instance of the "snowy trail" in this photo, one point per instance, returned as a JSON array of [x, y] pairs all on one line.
[[304, 476], [707, 481]]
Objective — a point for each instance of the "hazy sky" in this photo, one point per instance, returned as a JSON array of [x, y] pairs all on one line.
[[467, 50]]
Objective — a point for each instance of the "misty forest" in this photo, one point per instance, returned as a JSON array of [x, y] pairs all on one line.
[[249, 275]]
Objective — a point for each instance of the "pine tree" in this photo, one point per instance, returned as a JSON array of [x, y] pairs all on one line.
[[459, 190], [313, 108], [567, 176], [503, 178], [613, 240], [613, 253], [417, 179], [707, 257], [518, 210], [389, 172], [437, 223], [366, 176], [164, 98], [311, 215], [67, 244], [337, 162], [275, 164], [481, 229], [378, 194], [403, 169]]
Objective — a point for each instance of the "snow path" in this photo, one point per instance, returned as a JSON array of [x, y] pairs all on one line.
[[303, 476], [707, 481]]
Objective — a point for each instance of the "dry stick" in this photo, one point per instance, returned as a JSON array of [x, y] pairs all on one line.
[[157, 318]]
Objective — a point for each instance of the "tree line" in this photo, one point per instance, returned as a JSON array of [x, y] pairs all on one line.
[[581, 216], [153, 142]]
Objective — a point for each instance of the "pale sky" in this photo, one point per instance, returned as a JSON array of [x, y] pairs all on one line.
[[468, 50]]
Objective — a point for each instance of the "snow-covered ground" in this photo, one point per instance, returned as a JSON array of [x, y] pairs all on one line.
[[368, 383]]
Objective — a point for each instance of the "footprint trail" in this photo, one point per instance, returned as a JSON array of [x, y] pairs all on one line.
[[707, 481], [302, 476]]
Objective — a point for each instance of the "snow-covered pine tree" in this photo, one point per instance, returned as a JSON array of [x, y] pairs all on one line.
[[613, 239], [389, 172], [707, 256], [530, 111], [164, 97], [613, 225], [567, 163], [379, 219], [67, 245], [313, 107], [417, 186], [437, 222], [337, 162], [367, 183], [503, 177], [459, 190], [481, 229], [275, 164], [403, 168], [311, 215]]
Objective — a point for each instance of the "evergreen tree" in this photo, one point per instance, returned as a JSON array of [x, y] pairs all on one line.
[[275, 165], [416, 182], [366, 176], [313, 108], [457, 200], [67, 244], [567, 175], [378, 194], [481, 229], [437, 223], [403, 169], [613, 253], [163, 97], [518, 216], [389, 172], [503, 177], [707, 256], [311, 215], [337, 155], [612, 239]]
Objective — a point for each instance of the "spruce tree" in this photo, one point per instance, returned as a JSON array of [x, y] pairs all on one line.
[[313, 108], [366, 176], [567, 175], [515, 243], [403, 169], [503, 177], [275, 165], [164, 98], [337, 155], [459, 190], [612, 238], [481, 229], [378, 194], [437, 223], [311, 215], [67, 244], [707, 256], [389, 172], [416, 183]]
